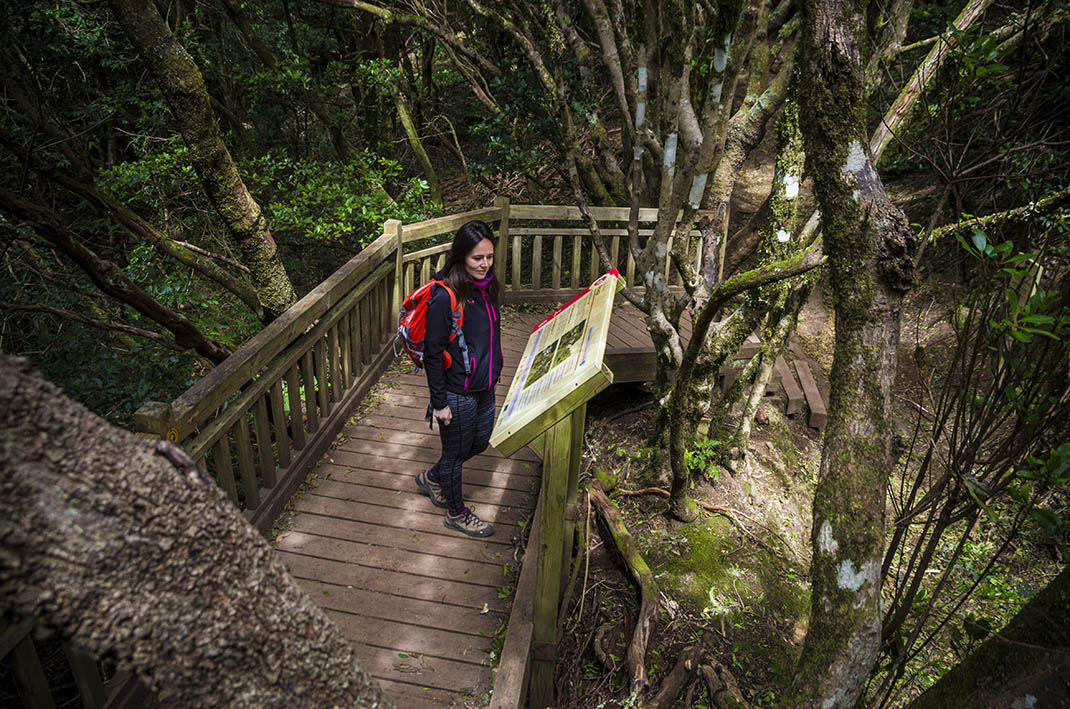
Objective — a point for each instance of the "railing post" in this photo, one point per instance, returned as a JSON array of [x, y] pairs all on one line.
[[501, 255], [154, 420], [396, 229]]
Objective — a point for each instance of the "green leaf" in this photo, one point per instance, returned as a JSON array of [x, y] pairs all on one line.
[[979, 239], [1047, 519]]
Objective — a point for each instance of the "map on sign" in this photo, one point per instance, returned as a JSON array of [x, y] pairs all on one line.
[[563, 354]]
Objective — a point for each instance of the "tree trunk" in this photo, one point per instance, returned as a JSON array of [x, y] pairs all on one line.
[[1031, 656], [182, 85], [870, 249], [126, 548]]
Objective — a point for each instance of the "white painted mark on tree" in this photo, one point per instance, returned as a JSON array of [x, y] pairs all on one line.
[[637, 154], [641, 74], [1026, 702], [640, 114], [698, 186], [856, 158], [720, 59], [848, 577], [791, 186], [715, 92], [783, 236], [825, 543], [669, 159], [659, 249]]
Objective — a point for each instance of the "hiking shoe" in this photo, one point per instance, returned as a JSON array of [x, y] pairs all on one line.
[[468, 523], [431, 489]]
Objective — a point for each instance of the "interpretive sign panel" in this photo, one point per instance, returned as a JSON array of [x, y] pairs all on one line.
[[561, 367]]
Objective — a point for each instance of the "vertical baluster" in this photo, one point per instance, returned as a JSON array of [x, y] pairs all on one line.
[[224, 469], [614, 252], [630, 273], [668, 260], [577, 254], [425, 270], [410, 275], [278, 417], [343, 337], [595, 265], [320, 361], [263, 442], [354, 340], [536, 263], [245, 465], [308, 376], [515, 256], [555, 279], [297, 418], [332, 359], [388, 313]]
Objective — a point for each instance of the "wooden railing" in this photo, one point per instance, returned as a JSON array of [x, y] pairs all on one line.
[[261, 420]]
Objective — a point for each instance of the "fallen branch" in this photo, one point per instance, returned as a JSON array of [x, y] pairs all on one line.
[[729, 512], [648, 588]]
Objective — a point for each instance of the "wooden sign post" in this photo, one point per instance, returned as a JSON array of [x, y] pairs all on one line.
[[561, 369]]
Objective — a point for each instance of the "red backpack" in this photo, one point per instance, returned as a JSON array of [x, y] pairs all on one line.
[[412, 325]]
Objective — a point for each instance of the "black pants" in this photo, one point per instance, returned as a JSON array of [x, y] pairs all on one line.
[[467, 435]]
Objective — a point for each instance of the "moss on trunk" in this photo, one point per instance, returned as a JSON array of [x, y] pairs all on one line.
[[183, 87]]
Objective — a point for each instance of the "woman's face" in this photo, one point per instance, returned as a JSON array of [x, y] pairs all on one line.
[[480, 259]]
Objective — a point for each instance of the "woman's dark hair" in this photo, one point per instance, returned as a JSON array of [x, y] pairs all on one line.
[[454, 272]]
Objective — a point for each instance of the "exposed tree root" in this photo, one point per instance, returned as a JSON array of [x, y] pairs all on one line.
[[648, 588]]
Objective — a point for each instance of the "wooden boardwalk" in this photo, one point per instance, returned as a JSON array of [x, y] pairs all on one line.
[[422, 603]]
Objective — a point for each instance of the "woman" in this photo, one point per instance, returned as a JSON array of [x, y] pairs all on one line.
[[462, 398]]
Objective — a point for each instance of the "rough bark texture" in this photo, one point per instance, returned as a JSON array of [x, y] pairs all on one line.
[[870, 249], [1030, 657], [183, 87], [125, 547]]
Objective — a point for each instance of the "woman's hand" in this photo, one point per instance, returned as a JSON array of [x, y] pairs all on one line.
[[443, 415]]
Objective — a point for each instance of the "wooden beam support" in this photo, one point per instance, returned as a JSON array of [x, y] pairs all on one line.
[[556, 462]]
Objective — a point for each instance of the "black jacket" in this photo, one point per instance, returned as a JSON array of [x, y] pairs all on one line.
[[482, 333]]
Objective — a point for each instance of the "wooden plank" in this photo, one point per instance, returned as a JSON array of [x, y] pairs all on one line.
[[618, 214], [250, 487], [448, 224], [341, 573], [814, 400], [577, 254], [334, 362], [344, 351], [355, 528], [29, 676], [356, 358], [536, 263], [510, 681], [555, 278], [614, 252], [11, 634], [224, 469], [418, 566], [86, 676], [282, 435], [319, 361], [556, 458], [427, 253], [308, 376], [791, 388], [514, 283], [263, 442], [388, 606]]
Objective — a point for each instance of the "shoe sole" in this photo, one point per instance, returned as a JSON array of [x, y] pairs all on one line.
[[421, 483], [486, 532]]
